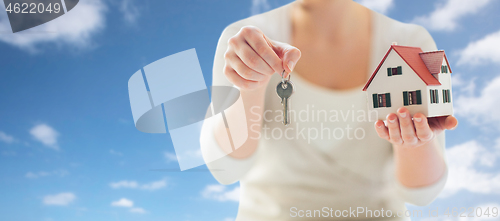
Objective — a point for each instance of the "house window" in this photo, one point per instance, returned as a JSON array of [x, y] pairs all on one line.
[[394, 71], [412, 97], [444, 69], [381, 100], [434, 96], [446, 96]]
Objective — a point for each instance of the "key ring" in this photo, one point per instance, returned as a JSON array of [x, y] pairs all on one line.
[[284, 81]]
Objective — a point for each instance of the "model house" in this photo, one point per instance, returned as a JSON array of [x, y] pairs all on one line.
[[408, 77]]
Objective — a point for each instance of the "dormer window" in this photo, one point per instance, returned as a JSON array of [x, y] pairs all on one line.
[[444, 69], [394, 71]]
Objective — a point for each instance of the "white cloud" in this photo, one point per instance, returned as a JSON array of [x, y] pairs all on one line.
[[138, 210], [170, 157], [259, 6], [381, 6], [61, 199], [467, 86], [446, 16], [229, 219], [124, 184], [482, 51], [463, 160], [482, 109], [74, 28], [155, 185], [219, 193], [130, 11], [46, 135], [114, 152], [34, 175], [123, 202], [6, 138]]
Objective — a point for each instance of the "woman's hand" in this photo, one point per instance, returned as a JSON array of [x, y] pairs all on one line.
[[402, 131], [251, 58]]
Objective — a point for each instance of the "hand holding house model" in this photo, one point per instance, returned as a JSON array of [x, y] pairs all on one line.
[[408, 77]]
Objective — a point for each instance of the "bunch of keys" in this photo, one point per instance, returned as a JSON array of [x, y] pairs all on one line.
[[285, 91]]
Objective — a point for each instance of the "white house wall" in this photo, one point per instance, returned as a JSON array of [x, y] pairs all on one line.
[[396, 84], [441, 108]]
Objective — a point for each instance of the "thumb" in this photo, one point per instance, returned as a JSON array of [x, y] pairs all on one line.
[[450, 123], [288, 54]]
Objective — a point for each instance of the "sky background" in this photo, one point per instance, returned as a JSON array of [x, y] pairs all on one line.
[[69, 149]]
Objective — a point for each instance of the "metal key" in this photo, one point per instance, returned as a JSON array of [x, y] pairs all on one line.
[[285, 91]]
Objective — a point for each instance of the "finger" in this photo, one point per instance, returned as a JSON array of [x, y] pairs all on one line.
[[424, 132], [263, 47], [382, 130], [237, 80], [406, 126], [242, 69], [251, 58], [290, 56], [394, 131], [442, 123], [450, 123]]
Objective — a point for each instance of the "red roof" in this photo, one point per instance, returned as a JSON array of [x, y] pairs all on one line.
[[412, 57], [433, 60]]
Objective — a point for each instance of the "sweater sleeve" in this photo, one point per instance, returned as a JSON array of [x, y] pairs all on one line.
[[224, 168], [422, 196]]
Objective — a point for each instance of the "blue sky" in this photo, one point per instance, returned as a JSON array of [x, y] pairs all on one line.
[[69, 149]]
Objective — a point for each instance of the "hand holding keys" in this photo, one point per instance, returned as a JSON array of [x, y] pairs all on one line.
[[285, 90]]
